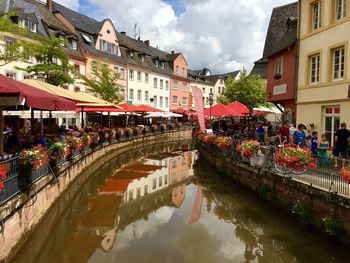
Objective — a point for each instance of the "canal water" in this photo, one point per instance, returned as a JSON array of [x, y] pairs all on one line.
[[164, 204]]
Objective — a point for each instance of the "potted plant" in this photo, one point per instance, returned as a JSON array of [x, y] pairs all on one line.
[[59, 151], [75, 145], [31, 161], [248, 148], [208, 139], [86, 141], [128, 132], [109, 133], [297, 159], [224, 142], [136, 131], [345, 173], [154, 127], [95, 138], [119, 133]]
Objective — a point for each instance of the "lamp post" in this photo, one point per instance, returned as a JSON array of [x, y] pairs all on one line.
[[211, 102]]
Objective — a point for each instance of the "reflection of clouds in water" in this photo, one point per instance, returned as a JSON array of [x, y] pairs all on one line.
[[164, 213], [141, 228]]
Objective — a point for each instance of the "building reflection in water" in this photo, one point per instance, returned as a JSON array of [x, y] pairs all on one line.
[[131, 194]]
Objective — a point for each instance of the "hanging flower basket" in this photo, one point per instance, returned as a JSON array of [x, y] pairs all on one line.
[[109, 133], [248, 148], [345, 173], [119, 133], [208, 139], [298, 159], [95, 138], [59, 151], [128, 132]]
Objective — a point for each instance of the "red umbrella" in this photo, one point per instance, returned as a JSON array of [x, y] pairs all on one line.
[[146, 108], [34, 98], [94, 108], [239, 108], [219, 110], [128, 107]]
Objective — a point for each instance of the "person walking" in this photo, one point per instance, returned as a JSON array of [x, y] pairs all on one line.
[[323, 146], [341, 142], [261, 133], [283, 133]]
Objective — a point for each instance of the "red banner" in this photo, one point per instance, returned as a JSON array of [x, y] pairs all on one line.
[[198, 102]]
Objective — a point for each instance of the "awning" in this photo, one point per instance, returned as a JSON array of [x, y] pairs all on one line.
[[220, 110], [26, 114], [128, 107], [146, 108], [98, 108], [34, 98], [78, 97]]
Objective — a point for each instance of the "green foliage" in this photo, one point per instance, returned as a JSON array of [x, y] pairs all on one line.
[[333, 226], [52, 61], [248, 89], [264, 191], [303, 213], [20, 48], [104, 82]]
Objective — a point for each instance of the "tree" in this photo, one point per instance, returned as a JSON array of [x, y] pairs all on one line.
[[104, 82], [17, 46], [52, 61], [248, 89]]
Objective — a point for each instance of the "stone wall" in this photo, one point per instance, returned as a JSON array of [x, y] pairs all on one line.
[[286, 192], [25, 211]]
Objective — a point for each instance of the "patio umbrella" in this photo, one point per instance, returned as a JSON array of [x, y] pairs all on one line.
[[219, 110], [239, 108], [146, 108]]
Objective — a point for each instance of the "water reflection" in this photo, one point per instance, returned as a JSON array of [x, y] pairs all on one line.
[[169, 207]]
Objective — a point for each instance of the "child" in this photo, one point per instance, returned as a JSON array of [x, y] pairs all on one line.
[[314, 143], [323, 146]]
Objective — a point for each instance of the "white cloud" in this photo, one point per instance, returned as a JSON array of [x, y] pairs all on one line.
[[223, 35], [72, 4]]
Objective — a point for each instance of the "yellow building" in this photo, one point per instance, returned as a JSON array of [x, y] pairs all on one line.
[[323, 75]]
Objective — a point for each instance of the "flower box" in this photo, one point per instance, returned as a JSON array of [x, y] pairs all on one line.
[[248, 148], [295, 158]]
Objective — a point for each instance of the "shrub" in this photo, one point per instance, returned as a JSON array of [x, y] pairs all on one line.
[[333, 226]]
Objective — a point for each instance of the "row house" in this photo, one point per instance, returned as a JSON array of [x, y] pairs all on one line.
[[280, 51], [149, 71], [323, 93], [180, 84], [98, 41], [37, 18], [199, 78]]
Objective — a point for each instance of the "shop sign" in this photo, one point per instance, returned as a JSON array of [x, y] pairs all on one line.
[[280, 89]]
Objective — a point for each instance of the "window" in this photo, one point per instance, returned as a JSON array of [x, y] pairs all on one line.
[[206, 100], [174, 178], [160, 101], [203, 89], [32, 26], [161, 83], [131, 94], [166, 85], [154, 183], [160, 181], [131, 54], [184, 86], [166, 102], [165, 179], [155, 83], [22, 23], [155, 101], [218, 89], [76, 70], [176, 84], [142, 58], [146, 77], [146, 96], [138, 192], [184, 173], [278, 69], [138, 76], [211, 90], [139, 95], [174, 163], [161, 64], [63, 41], [11, 74], [183, 160], [108, 47], [131, 195], [174, 99], [156, 62], [131, 74], [340, 9], [183, 71], [31, 59], [316, 15], [122, 73], [184, 101], [222, 90], [177, 69], [338, 63], [146, 190], [331, 122], [315, 69]]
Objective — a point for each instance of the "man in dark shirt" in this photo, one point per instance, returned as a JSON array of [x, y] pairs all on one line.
[[341, 143]]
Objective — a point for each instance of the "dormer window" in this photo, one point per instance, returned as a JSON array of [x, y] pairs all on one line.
[[62, 43], [161, 64], [22, 22], [142, 58], [32, 26], [74, 44], [87, 38], [131, 54], [157, 63], [108, 47]]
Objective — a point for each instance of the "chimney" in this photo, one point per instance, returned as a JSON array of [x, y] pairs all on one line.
[[147, 43], [172, 52], [49, 5], [123, 33]]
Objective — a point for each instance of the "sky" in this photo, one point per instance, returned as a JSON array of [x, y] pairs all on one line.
[[222, 35]]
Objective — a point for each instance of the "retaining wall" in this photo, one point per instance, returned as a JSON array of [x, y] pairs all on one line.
[[23, 213], [284, 191]]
